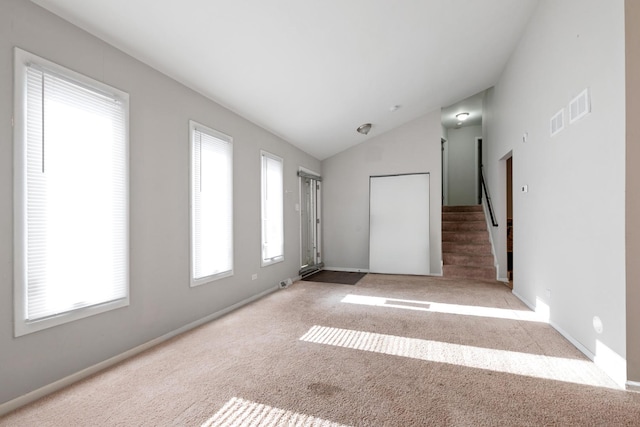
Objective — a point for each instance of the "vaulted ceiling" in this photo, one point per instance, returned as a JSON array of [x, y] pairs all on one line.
[[312, 71]]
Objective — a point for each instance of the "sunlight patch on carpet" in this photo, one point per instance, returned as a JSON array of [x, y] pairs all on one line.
[[241, 412], [436, 307], [510, 362]]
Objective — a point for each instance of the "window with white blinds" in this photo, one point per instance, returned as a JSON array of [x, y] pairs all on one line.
[[72, 221], [272, 209], [211, 204]]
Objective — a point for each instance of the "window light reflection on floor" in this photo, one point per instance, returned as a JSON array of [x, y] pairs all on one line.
[[511, 362], [241, 412], [467, 310]]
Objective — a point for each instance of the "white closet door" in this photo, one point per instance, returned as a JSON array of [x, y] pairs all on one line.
[[399, 224]]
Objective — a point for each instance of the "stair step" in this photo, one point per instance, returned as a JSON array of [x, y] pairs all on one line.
[[463, 216], [464, 226], [469, 272], [470, 208], [452, 258], [465, 236], [467, 247]]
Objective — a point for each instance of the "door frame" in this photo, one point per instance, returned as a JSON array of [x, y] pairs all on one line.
[[306, 269], [393, 215]]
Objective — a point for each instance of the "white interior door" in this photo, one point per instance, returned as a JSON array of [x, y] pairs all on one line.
[[399, 224]]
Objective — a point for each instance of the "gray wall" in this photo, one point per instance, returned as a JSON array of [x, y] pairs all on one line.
[[632, 17], [462, 171], [413, 147], [161, 299], [569, 229]]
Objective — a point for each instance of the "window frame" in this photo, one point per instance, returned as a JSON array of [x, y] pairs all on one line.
[[194, 282], [23, 326], [279, 258]]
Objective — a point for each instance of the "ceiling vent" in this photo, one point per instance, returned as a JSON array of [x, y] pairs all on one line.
[[557, 122], [580, 106]]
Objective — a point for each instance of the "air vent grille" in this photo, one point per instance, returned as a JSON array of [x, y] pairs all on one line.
[[557, 122], [580, 106]]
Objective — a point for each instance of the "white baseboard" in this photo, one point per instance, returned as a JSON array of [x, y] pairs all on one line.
[[611, 363], [573, 341], [485, 210], [527, 303], [633, 386], [349, 270], [365, 270], [30, 397]]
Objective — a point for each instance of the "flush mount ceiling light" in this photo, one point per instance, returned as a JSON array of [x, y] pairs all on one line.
[[462, 116], [364, 129]]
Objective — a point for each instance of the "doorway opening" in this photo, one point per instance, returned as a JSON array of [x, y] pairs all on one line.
[[310, 224], [462, 151], [510, 221]]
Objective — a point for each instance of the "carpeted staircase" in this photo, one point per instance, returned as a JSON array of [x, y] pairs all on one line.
[[466, 250]]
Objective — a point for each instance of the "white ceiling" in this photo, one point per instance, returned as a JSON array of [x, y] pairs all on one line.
[[312, 71]]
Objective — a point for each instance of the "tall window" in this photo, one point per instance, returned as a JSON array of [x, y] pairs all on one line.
[[211, 204], [71, 195], [272, 209]]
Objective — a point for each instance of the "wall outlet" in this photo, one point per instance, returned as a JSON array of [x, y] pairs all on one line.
[[285, 283], [254, 277]]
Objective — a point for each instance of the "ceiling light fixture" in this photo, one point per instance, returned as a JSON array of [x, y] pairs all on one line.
[[364, 129], [462, 116]]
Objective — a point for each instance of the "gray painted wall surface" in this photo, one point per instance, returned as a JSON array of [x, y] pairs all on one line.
[[161, 299], [632, 17], [569, 229], [462, 165], [413, 147]]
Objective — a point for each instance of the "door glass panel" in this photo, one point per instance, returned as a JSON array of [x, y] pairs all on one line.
[[310, 224]]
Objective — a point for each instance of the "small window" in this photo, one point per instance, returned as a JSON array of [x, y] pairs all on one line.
[[71, 195], [272, 209], [211, 204]]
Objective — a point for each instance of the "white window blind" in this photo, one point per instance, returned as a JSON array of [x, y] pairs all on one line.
[[272, 209], [211, 204], [72, 180]]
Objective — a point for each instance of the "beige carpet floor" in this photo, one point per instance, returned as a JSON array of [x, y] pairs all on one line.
[[390, 351]]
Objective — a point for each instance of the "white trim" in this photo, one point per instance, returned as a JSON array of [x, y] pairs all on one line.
[[194, 282], [633, 386], [478, 186], [280, 258], [347, 269], [366, 270], [615, 370], [496, 264], [573, 341], [22, 61], [527, 303], [300, 210], [30, 397]]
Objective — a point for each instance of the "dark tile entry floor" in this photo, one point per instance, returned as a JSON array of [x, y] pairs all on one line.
[[340, 277]]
